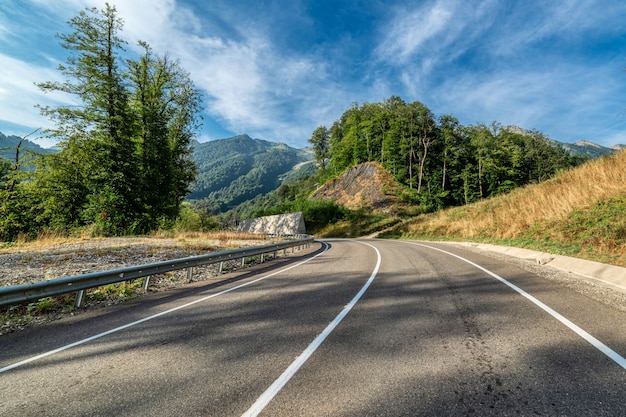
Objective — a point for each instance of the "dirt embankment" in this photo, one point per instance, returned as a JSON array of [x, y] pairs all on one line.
[[365, 185]]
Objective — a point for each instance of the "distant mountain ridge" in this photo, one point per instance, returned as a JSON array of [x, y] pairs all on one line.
[[237, 169], [580, 148], [8, 145], [590, 149]]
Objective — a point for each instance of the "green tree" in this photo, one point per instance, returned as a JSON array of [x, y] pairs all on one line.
[[5, 170], [125, 161], [422, 132], [320, 139], [441, 162], [165, 104], [386, 120], [18, 210], [93, 76], [449, 138]]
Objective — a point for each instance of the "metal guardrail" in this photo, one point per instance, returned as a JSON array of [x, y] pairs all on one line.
[[16, 294]]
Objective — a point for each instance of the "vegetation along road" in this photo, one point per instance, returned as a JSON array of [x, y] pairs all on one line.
[[346, 328]]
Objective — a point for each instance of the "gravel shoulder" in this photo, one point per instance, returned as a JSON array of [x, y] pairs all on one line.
[[24, 264]]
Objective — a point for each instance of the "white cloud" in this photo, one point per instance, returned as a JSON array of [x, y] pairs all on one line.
[[407, 33], [436, 34], [240, 78], [19, 94], [251, 87], [571, 21], [566, 102]]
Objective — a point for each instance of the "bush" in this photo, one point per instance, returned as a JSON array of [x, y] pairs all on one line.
[[192, 219]]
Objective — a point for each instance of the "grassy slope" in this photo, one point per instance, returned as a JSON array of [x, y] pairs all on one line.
[[580, 212]]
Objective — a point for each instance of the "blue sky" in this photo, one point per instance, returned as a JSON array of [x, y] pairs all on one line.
[[276, 70]]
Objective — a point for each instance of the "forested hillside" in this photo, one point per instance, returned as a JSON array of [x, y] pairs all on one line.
[[440, 162], [231, 171]]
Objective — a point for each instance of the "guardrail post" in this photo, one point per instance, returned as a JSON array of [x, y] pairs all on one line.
[[262, 257], [146, 282], [221, 267], [189, 273], [243, 261], [80, 297], [275, 254]]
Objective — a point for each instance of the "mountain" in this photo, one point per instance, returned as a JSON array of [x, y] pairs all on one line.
[[233, 170], [580, 148], [8, 145], [590, 149]]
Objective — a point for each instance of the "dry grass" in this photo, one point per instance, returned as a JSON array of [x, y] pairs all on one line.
[[542, 211], [51, 240], [222, 236]]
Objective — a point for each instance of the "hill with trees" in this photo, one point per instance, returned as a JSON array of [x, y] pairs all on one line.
[[439, 162], [234, 170], [579, 212]]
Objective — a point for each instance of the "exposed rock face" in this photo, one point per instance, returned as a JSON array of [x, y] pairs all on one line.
[[280, 224], [364, 185]]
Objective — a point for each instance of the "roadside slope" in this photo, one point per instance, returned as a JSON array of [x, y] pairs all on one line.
[[580, 212]]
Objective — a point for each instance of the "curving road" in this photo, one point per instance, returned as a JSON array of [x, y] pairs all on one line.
[[347, 328]]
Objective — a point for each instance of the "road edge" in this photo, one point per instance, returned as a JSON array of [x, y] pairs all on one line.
[[611, 275]]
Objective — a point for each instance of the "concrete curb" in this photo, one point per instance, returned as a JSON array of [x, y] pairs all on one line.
[[614, 276]]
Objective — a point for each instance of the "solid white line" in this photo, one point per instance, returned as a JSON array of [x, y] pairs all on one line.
[[279, 383], [589, 338], [134, 323]]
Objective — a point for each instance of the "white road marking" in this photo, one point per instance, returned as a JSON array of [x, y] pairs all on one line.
[[280, 382], [589, 338], [134, 323]]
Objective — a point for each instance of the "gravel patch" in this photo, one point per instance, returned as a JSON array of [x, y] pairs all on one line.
[[19, 266]]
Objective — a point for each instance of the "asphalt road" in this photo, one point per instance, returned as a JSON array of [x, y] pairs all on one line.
[[347, 328]]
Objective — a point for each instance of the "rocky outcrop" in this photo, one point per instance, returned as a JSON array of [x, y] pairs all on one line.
[[289, 224], [365, 185]]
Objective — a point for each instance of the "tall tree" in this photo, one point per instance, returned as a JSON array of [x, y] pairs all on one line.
[[448, 128], [422, 127], [100, 126], [165, 104], [321, 147]]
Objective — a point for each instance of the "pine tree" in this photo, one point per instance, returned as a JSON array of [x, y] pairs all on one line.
[[96, 166]]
